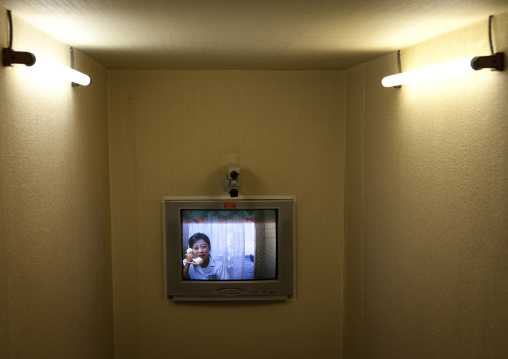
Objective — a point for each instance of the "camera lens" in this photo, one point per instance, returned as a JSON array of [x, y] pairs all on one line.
[[233, 193], [234, 174]]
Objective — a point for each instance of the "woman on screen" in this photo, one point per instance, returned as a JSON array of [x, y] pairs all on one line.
[[198, 264]]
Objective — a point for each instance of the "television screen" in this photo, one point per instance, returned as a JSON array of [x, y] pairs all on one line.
[[218, 248], [229, 244]]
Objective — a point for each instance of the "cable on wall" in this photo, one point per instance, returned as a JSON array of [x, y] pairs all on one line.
[[399, 66], [9, 56], [491, 17], [9, 17]]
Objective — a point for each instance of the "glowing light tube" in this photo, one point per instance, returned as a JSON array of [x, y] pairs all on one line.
[[56, 69], [446, 69]]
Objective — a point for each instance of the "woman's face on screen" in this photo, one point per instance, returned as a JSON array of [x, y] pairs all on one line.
[[201, 249]]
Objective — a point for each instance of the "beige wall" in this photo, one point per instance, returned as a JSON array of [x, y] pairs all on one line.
[[426, 243], [55, 266], [169, 133]]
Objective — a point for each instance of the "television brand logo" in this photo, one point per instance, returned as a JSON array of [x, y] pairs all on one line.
[[229, 205]]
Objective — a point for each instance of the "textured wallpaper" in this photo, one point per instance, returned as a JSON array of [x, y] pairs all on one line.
[[427, 206], [170, 134], [55, 254]]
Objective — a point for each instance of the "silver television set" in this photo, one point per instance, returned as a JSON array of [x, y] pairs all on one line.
[[228, 249]]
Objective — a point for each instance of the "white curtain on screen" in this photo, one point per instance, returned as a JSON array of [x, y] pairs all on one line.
[[226, 230]]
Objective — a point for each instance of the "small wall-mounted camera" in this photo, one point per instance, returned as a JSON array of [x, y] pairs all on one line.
[[231, 183]]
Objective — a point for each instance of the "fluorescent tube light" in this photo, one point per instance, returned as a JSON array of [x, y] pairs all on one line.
[[58, 70], [43, 64], [447, 69]]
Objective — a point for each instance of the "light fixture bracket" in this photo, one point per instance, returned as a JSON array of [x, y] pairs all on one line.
[[495, 62], [11, 57]]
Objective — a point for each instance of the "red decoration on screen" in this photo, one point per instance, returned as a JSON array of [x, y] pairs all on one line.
[[229, 205]]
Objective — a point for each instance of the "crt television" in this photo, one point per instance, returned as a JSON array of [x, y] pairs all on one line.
[[221, 248]]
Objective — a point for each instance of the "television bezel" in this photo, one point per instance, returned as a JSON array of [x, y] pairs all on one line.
[[178, 289]]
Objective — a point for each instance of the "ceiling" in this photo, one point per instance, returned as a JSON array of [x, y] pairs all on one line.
[[246, 34]]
